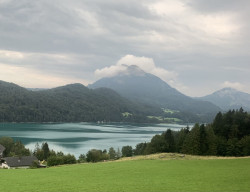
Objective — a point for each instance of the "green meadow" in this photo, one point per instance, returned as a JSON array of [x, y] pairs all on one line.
[[134, 175]]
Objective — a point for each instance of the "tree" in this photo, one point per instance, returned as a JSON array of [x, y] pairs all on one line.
[[95, 155], [118, 153], [127, 151], [203, 140], [46, 152], [211, 141], [13, 148], [245, 143], [157, 145], [38, 152], [180, 138], [112, 153], [82, 158], [55, 160], [140, 149], [192, 142], [8, 143], [69, 159], [170, 142]]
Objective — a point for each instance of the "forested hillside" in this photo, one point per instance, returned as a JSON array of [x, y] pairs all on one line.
[[142, 87], [70, 103], [228, 135]]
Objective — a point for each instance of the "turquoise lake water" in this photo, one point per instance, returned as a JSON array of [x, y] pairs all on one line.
[[78, 138]]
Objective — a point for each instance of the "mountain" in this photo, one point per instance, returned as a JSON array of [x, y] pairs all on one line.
[[141, 87], [70, 103], [229, 98]]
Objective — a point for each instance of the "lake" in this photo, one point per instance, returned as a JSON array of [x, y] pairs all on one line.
[[78, 138]]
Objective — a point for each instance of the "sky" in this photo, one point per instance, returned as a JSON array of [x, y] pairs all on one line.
[[196, 46]]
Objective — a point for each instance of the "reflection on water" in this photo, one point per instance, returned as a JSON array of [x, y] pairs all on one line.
[[78, 138]]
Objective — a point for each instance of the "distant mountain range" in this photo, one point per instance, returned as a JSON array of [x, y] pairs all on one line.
[[70, 103], [229, 98], [136, 85], [131, 96]]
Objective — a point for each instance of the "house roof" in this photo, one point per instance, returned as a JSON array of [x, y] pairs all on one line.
[[2, 148], [19, 161]]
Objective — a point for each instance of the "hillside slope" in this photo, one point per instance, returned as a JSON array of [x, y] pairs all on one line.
[[137, 176], [142, 87], [68, 103], [229, 98]]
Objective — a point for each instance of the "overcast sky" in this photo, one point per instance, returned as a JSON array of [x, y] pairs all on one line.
[[197, 46]]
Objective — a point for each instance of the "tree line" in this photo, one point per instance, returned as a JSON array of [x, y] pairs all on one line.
[[70, 103], [228, 135]]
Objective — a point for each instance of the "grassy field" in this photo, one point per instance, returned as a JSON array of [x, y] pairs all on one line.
[[154, 173]]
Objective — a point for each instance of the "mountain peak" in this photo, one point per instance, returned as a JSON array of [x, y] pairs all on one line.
[[229, 98], [133, 70], [225, 91]]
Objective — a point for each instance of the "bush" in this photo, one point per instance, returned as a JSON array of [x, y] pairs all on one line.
[[95, 155], [35, 164], [127, 151], [55, 160], [69, 159], [81, 158]]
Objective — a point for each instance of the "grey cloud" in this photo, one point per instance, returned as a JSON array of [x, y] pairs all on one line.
[[98, 33], [218, 6]]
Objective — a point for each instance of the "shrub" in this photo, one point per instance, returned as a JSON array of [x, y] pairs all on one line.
[[55, 160], [127, 151]]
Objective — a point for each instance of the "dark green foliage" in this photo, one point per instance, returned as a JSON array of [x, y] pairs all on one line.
[[170, 141], [112, 153], [35, 164], [211, 140], [38, 152], [70, 103], [245, 144], [192, 143], [228, 135], [8, 143], [13, 148], [95, 155], [45, 148], [55, 160], [82, 158], [156, 145], [42, 153], [127, 151], [180, 137], [140, 149], [60, 159], [233, 124], [69, 159], [118, 153]]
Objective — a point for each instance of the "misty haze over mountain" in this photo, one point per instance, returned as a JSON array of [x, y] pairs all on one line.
[[229, 98]]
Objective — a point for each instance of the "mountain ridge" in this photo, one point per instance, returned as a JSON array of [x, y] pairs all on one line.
[[229, 98], [148, 88], [69, 103]]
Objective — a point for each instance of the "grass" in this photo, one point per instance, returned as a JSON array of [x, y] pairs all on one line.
[[169, 111], [165, 119], [146, 173]]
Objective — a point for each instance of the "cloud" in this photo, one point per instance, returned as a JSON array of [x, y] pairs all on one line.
[[235, 85], [26, 77], [74, 39], [34, 69], [145, 63]]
